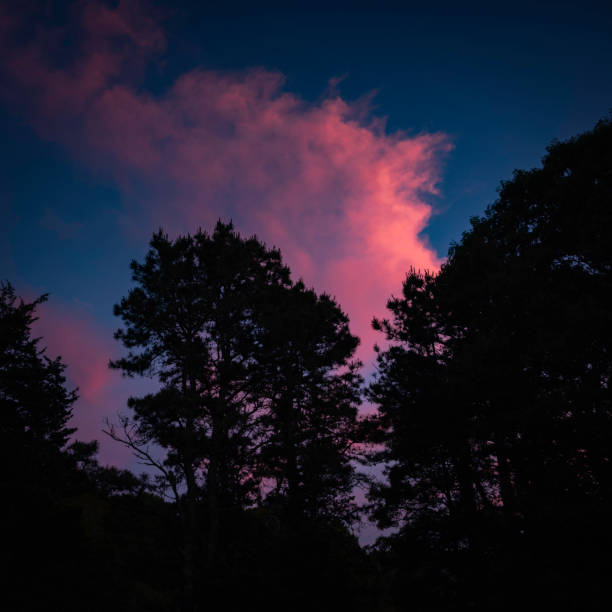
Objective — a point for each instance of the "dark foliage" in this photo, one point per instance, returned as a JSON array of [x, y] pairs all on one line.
[[75, 535], [312, 393], [257, 392], [494, 422], [495, 406]]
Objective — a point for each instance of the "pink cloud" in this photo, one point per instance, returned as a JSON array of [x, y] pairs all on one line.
[[343, 199], [69, 331]]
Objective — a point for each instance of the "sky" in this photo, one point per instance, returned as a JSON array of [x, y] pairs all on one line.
[[358, 140]]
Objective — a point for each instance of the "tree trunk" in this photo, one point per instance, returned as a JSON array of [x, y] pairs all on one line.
[[506, 489], [465, 478], [190, 505], [212, 490]]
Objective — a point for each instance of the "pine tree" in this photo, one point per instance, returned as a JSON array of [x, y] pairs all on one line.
[[191, 322], [494, 401], [34, 401], [313, 390]]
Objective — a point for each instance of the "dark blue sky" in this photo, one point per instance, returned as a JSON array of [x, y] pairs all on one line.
[[500, 84], [502, 81]]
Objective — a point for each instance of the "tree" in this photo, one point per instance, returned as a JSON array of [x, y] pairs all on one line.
[[420, 420], [542, 321], [35, 404], [313, 392], [36, 407], [191, 321], [76, 535], [258, 390], [494, 398]]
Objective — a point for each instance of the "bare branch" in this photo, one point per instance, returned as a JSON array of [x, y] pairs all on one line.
[[141, 450]]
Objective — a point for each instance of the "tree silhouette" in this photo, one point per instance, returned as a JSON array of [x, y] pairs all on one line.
[[191, 322], [76, 535], [494, 422], [257, 403], [420, 418], [313, 390], [35, 404], [494, 399]]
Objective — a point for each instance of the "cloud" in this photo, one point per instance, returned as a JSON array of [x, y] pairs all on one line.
[[343, 199], [69, 331]]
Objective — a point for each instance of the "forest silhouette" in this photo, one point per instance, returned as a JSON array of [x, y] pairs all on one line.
[[493, 421]]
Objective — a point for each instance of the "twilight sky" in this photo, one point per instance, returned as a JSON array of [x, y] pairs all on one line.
[[359, 141]]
